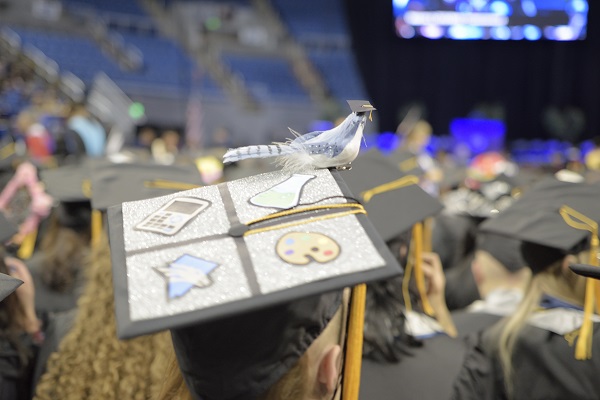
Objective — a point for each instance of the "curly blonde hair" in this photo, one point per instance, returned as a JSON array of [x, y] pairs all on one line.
[[91, 362]]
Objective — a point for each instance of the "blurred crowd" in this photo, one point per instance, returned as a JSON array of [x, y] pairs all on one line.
[[497, 315]]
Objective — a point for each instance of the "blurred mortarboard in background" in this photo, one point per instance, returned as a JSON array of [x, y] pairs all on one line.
[[249, 277], [394, 201], [72, 182], [70, 185], [117, 183], [7, 228], [535, 219], [8, 284], [407, 162], [506, 250]]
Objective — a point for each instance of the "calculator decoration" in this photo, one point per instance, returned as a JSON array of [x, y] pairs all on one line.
[[211, 269], [173, 216]]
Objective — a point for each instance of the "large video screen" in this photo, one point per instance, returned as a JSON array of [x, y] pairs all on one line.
[[564, 20]]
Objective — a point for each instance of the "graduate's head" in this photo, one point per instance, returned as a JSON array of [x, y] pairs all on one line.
[[252, 292], [498, 264], [289, 351]]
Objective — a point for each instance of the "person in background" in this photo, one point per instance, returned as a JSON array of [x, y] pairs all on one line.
[[20, 333], [501, 277], [91, 362], [415, 140], [548, 348], [89, 128], [56, 267]]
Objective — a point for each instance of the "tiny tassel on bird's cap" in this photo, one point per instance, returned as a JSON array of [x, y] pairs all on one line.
[[575, 219]]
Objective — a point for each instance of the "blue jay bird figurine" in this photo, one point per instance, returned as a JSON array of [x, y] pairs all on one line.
[[334, 148]]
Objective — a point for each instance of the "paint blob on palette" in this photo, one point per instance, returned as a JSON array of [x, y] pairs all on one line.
[[300, 248]]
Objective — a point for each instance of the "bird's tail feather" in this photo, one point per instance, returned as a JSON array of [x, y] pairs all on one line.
[[259, 151]]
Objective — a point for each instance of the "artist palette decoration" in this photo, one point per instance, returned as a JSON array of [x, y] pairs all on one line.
[[211, 269], [283, 195], [301, 248]]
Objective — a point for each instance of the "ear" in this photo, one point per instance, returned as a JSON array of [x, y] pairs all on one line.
[[329, 369], [476, 270], [568, 260]]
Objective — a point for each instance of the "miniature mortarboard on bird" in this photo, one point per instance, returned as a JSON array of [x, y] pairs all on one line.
[[251, 280], [336, 147]]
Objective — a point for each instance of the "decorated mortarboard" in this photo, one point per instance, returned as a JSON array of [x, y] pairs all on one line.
[[8, 284], [246, 273], [7, 228], [116, 183], [394, 201]]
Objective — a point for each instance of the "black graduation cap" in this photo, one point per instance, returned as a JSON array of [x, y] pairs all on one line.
[[406, 161], [116, 183], [359, 106], [71, 182], [535, 219], [589, 271], [503, 248], [394, 201], [8, 284], [7, 228], [71, 186], [243, 305]]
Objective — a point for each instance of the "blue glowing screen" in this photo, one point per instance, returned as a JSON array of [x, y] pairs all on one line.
[[562, 20]]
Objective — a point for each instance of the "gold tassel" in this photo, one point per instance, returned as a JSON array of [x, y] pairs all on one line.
[[169, 185], [27, 245], [96, 227], [407, 180], [406, 278], [419, 277], [427, 234], [583, 348], [354, 343]]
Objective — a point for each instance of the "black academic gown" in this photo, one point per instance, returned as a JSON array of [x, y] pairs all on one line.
[[545, 367], [443, 368], [468, 323]]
